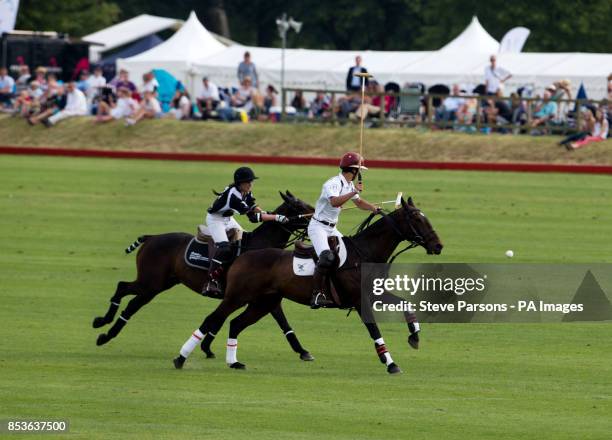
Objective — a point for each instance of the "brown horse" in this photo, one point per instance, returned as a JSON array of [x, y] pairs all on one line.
[[160, 265], [261, 279]]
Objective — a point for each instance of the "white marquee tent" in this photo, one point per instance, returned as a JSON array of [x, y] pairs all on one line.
[[127, 32], [177, 55]]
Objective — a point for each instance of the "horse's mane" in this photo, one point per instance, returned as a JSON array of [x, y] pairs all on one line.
[[364, 224]]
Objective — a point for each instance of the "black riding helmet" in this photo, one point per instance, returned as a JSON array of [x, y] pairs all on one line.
[[244, 174]]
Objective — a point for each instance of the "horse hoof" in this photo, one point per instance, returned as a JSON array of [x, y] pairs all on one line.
[[392, 368], [99, 322], [179, 362], [210, 355], [238, 366], [306, 356], [103, 338], [413, 341]]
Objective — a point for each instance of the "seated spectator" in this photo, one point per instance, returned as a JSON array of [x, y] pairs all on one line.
[[270, 99], [55, 102], [243, 98], [181, 105], [368, 106], [149, 83], [545, 111], [451, 104], [376, 99], [498, 111], [598, 131], [125, 107], [347, 105], [7, 86], [150, 108], [96, 83], [517, 107], [83, 83], [76, 105], [319, 107], [28, 101], [209, 98], [23, 79], [299, 103], [466, 114], [40, 75], [123, 81]]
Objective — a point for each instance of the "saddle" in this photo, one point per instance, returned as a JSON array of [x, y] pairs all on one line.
[[202, 247], [307, 251]]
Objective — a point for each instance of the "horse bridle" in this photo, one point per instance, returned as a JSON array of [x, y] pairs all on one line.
[[418, 239]]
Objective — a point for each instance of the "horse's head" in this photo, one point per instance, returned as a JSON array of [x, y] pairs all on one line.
[[292, 207], [417, 228]]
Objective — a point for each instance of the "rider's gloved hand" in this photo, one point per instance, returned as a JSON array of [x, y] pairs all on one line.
[[281, 218]]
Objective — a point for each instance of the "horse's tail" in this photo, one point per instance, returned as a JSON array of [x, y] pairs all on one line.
[[131, 248]]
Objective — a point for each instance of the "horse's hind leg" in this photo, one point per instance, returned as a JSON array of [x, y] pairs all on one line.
[[253, 313], [133, 306], [124, 288], [206, 333], [281, 319]]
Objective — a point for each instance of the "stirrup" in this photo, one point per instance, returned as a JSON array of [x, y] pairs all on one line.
[[320, 300]]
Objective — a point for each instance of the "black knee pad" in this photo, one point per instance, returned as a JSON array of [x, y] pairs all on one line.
[[223, 252], [326, 259]]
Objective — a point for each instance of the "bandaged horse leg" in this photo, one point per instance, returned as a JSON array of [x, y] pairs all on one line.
[[207, 331], [379, 343], [282, 322], [253, 313], [414, 328], [123, 289], [319, 296]]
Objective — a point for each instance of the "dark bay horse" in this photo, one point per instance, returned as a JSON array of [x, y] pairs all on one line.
[[160, 265], [261, 279]]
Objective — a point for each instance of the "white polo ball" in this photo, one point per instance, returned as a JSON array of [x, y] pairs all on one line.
[[509, 253]]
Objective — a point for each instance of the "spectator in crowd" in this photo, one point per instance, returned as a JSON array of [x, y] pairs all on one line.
[[28, 101], [243, 98], [598, 131], [123, 81], [55, 102], [149, 83], [96, 83], [76, 105], [124, 107], [247, 69], [498, 111], [319, 107], [83, 83], [270, 99], [466, 114], [209, 98], [518, 108], [545, 111], [299, 103], [150, 108], [371, 104], [451, 104], [23, 79], [495, 77], [40, 75], [353, 83], [181, 105], [7, 87], [347, 105]]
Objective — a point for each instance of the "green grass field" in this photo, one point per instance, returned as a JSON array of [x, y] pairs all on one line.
[[64, 224]]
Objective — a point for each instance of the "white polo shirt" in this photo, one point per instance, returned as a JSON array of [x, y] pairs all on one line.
[[334, 187]]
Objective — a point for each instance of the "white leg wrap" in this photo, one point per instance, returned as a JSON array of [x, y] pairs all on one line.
[[417, 327], [232, 348], [192, 342], [388, 359]]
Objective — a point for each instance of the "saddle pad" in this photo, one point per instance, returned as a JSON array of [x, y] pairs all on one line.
[[305, 267], [196, 254]]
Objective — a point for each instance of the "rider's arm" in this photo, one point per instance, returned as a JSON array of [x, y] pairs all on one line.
[[365, 205], [338, 201]]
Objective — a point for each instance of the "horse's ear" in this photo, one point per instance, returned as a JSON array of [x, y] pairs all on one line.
[[289, 194], [284, 197], [410, 202], [403, 202]]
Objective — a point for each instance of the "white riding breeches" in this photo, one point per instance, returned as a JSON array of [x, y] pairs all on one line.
[[219, 225], [318, 233]]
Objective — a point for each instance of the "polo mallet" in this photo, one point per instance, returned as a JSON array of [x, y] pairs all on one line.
[[397, 201], [363, 76]]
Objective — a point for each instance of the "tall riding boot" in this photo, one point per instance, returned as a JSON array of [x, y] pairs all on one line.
[[318, 298], [215, 272]]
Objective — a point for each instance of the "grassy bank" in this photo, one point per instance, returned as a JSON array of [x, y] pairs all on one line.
[[299, 140]]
